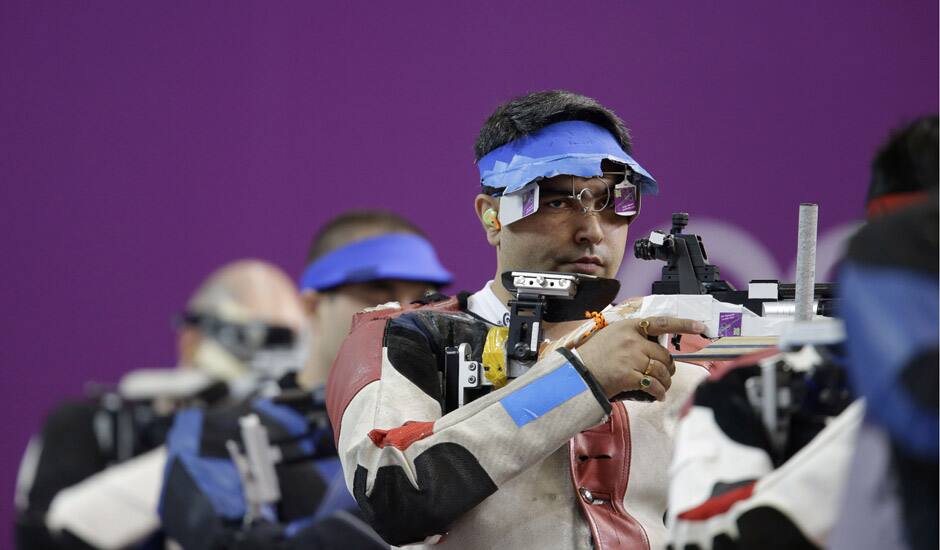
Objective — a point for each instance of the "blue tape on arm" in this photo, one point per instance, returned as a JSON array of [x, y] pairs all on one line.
[[540, 396]]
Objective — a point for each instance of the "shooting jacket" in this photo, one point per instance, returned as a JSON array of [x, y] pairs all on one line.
[[545, 462], [729, 490]]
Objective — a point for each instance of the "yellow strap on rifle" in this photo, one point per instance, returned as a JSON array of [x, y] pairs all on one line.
[[494, 356]]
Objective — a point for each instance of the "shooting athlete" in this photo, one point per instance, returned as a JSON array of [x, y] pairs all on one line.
[[264, 473], [548, 460]]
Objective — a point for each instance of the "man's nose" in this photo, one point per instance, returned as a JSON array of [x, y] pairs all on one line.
[[590, 230]]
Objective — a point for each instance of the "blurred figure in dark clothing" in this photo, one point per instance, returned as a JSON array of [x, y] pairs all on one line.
[[241, 327], [889, 281]]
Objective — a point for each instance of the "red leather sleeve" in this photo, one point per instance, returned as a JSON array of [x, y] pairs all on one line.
[[358, 363]]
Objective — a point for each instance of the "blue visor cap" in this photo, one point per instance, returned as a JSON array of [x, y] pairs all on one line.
[[574, 148], [402, 256]]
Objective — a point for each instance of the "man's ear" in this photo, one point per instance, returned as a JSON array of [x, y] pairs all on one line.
[[311, 300], [482, 204], [187, 340]]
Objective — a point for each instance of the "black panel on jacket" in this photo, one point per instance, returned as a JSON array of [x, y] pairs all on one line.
[[719, 542], [906, 239], [410, 354], [450, 480], [220, 425], [70, 453], [416, 340], [920, 378], [766, 528], [723, 542], [342, 530], [188, 515], [917, 487], [734, 414], [302, 489]]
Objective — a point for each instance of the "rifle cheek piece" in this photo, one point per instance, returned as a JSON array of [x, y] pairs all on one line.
[[538, 297]]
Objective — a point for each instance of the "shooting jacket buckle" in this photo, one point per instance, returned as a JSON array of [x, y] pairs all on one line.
[[589, 497]]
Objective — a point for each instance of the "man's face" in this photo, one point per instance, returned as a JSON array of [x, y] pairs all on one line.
[[560, 236], [336, 308]]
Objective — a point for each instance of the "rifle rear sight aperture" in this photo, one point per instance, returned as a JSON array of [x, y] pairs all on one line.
[[687, 270]]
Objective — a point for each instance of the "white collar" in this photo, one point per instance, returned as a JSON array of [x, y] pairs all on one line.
[[485, 304]]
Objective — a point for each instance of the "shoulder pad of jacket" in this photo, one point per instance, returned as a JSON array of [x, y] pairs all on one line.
[[394, 309]]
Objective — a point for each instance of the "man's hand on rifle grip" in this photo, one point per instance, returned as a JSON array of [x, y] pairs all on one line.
[[620, 356]]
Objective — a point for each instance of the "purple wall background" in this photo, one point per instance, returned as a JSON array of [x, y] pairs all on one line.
[[142, 145]]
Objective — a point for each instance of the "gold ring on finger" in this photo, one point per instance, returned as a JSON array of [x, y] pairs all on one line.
[[645, 382], [644, 326], [649, 367]]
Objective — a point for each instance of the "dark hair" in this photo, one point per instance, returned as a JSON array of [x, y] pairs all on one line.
[[355, 225], [907, 162], [530, 113]]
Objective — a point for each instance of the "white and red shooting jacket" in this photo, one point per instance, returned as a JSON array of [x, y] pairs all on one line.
[[544, 462]]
